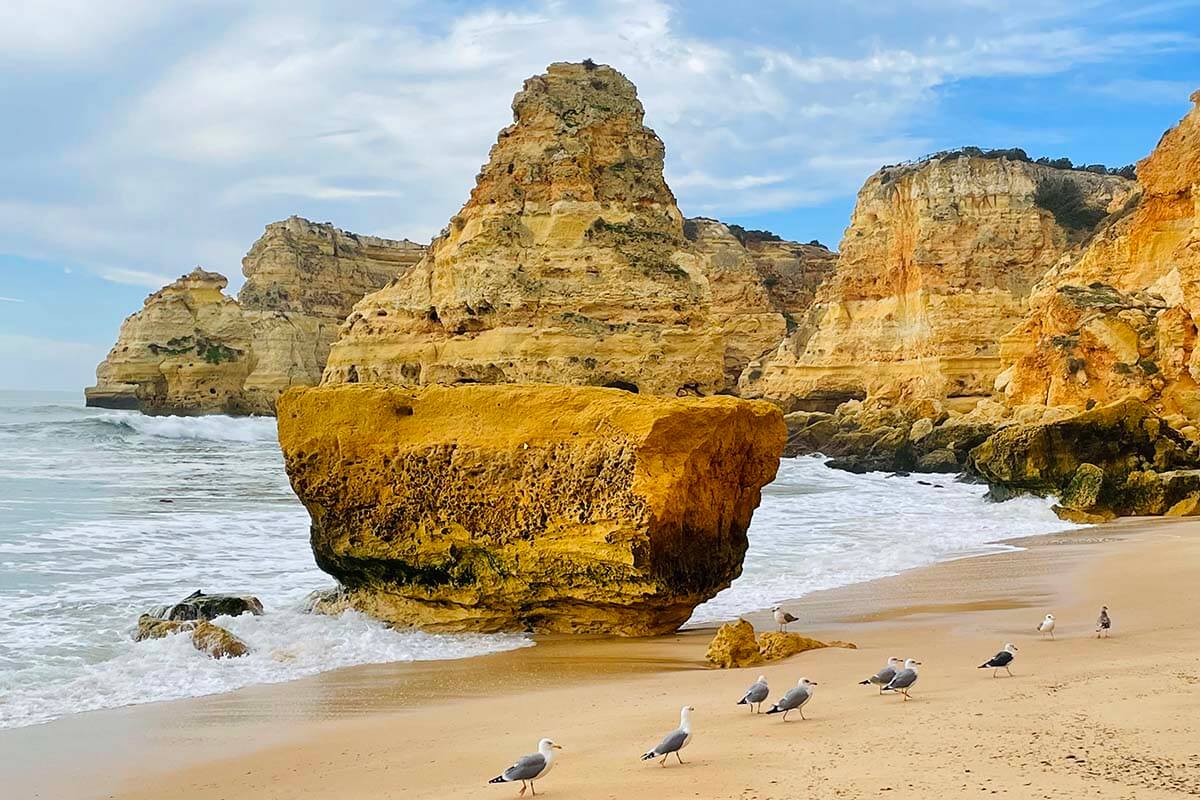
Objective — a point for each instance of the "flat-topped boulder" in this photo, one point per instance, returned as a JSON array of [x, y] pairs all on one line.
[[528, 507]]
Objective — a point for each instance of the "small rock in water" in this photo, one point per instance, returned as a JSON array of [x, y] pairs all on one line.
[[199, 605], [206, 637]]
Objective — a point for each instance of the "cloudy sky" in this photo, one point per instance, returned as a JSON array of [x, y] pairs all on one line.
[[143, 137]]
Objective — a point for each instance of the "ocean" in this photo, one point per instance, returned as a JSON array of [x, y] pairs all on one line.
[[104, 514]]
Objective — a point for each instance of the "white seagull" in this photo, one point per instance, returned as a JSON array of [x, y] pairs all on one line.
[[1103, 623], [1047, 626], [1001, 660], [674, 741], [530, 768], [794, 700], [904, 679], [782, 618], [756, 694], [885, 675]]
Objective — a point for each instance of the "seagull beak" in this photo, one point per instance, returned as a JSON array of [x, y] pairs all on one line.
[[812, 683], [557, 746]]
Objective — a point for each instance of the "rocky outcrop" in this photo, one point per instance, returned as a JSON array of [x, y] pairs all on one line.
[[187, 350], [570, 263], [206, 637], [735, 645], [1115, 460], [543, 508], [1120, 321], [937, 264], [199, 605], [193, 350]]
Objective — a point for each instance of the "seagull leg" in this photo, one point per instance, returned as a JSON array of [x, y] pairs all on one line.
[[522, 792], [663, 763], [532, 791], [785, 715], [801, 710], [1009, 671], [677, 758]]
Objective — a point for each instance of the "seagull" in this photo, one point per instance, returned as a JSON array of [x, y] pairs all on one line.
[[1002, 659], [782, 617], [885, 675], [1103, 623], [674, 741], [794, 700], [1047, 626], [757, 692], [904, 679], [530, 768]]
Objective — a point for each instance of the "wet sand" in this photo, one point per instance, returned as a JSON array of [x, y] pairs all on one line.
[[1112, 718]]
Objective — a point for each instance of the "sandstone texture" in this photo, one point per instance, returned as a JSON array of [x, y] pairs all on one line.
[[206, 637], [541, 508], [571, 263], [1120, 321], [1115, 460], [193, 350], [735, 645], [937, 264]]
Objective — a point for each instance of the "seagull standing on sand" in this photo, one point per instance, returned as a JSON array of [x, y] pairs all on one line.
[[904, 679], [1001, 660], [530, 768], [1103, 623], [782, 617], [1047, 626], [757, 693], [884, 676], [674, 741], [794, 700]]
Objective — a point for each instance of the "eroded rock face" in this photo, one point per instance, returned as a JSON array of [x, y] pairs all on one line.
[[544, 508], [570, 264], [187, 350], [206, 637], [192, 350], [1120, 321], [937, 264]]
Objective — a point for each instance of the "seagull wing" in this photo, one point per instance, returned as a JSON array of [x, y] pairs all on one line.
[[526, 769], [757, 693], [904, 679], [884, 676], [671, 742], [1001, 659]]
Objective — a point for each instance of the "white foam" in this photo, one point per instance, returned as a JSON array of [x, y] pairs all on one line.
[[214, 428], [819, 528]]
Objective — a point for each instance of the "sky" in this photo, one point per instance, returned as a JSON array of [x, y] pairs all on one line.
[[141, 138]]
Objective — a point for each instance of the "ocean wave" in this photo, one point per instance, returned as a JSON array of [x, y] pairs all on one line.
[[216, 428]]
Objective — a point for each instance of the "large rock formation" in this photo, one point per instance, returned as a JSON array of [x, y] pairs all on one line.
[[1121, 320], [543, 508], [936, 265], [569, 263], [192, 350]]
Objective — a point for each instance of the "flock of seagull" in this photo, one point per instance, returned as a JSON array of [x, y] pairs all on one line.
[[896, 676]]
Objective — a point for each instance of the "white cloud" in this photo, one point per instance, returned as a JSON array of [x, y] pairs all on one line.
[[11, 300], [379, 121], [70, 29]]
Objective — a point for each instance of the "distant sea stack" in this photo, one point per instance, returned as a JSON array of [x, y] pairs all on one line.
[[193, 350], [527, 508], [937, 264], [571, 263]]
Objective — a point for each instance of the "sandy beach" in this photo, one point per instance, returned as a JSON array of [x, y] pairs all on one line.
[[1111, 718]]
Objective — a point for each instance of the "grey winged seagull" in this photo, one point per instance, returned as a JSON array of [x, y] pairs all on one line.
[[756, 694], [782, 618], [1002, 660], [885, 675], [530, 768], [794, 700], [1046, 626], [903, 680], [674, 741], [1103, 623]]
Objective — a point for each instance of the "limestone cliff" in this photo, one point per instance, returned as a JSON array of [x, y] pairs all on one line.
[[1120, 321], [188, 348], [193, 350], [542, 508], [569, 264], [937, 264]]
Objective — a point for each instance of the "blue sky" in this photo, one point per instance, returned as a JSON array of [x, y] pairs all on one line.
[[143, 137]]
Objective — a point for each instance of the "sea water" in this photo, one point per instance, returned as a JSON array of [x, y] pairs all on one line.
[[104, 514]]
